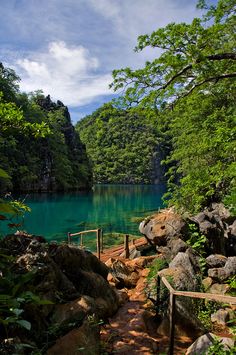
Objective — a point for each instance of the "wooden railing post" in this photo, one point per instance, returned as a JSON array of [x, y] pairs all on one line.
[[158, 294], [192, 294], [81, 240], [98, 244], [101, 240], [126, 246], [68, 238], [172, 323]]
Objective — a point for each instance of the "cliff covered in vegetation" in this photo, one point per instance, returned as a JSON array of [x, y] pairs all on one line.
[[123, 145], [51, 159]]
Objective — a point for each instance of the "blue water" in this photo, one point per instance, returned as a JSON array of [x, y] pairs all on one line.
[[110, 207]]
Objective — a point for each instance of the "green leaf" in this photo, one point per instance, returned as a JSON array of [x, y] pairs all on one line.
[[3, 174], [24, 323]]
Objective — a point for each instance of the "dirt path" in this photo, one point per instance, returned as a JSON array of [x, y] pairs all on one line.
[[116, 252], [133, 329]]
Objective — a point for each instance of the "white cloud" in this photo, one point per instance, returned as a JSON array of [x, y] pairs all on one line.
[[67, 73], [68, 48]]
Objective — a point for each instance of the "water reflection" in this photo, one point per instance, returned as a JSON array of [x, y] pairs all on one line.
[[109, 207]]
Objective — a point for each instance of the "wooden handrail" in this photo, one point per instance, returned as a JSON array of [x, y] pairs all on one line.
[[99, 236], [83, 232], [174, 293], [202, 295]]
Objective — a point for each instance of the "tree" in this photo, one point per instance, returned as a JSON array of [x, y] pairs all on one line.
[[203, 166], [192, 55], [122, 145], [191, 85]]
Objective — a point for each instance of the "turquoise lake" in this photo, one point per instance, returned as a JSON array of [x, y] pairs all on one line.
[[110, 207]]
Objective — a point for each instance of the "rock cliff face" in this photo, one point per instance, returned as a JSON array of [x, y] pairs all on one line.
[[61, 156], [157, 174]]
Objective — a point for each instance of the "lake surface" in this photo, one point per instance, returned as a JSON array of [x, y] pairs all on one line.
[[110, 207]]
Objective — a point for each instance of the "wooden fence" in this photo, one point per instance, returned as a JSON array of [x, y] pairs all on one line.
[[100, 244], [174, 293], [99, 236]]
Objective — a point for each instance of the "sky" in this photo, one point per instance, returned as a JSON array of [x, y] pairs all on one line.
[[68, 48]]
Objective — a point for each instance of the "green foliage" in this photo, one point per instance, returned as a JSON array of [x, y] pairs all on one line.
[[192, 55], [121, 144], [232, 284], [203, 130], [198, 242], [37, 142], [156, 266], [12, 211], [191, 86], [219, 348], [151, 289], [15, 293], [203, 310]]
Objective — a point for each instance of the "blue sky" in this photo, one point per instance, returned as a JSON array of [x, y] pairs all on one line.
[[68, 48]]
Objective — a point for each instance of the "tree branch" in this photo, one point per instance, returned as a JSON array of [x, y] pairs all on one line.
[[213, 78]]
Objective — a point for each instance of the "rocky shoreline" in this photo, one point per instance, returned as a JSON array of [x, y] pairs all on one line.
[[70, 293]]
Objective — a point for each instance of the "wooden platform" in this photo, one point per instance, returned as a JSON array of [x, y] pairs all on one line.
[[115, 252]]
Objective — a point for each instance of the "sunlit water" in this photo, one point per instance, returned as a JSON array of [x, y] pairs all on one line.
[[110, 207]]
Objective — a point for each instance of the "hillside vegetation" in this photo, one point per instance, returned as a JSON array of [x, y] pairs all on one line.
[[191, 86], [39, 148], [123, 145]]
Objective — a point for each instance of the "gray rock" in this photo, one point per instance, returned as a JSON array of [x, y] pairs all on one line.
[[216, 260], [219, 209], [176, 246], [182, 260], [220, 317], [207, 282], [213, 224], [220, 289], [202, 344], [199, 218], [165, 251], [182, 280], [162, 227], [223, 273], [232, 229]]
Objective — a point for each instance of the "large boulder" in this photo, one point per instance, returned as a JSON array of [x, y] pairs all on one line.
[[176, 246], [84, 340], [187, 261], [73, 280], [216, 260], [182, 274], [163, 227], [74, 311], [202, 344], [216, 223], [126, 273], [122, 274], [223, 273], [220, 317]]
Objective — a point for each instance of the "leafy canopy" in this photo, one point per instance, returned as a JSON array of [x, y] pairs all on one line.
[[191, 86], [191, 55]]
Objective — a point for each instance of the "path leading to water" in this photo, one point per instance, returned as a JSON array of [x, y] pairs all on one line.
[[117, 251], [134, 328]]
